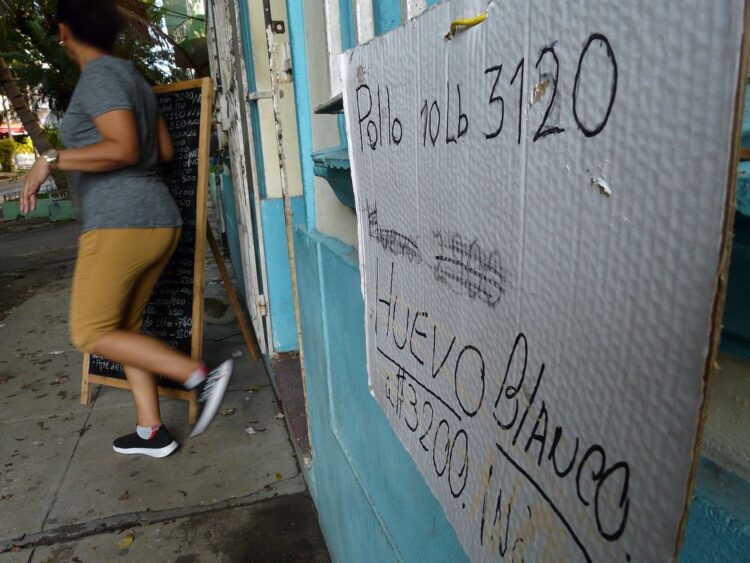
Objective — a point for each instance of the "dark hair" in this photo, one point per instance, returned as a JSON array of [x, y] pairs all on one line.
[[95, 22]]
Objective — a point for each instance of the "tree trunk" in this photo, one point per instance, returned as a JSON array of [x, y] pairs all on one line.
[[22, 109]]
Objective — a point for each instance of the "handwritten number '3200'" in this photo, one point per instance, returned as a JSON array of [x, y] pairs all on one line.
[[448, 454]]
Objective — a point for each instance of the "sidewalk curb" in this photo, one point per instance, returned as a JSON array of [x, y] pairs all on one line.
[[120, 522]]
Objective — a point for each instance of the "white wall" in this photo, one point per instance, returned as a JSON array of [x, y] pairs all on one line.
[[332, 217]]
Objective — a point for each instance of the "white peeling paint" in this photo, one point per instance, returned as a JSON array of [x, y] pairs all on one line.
[[333, 36], [603, 186], [412, 8], [365, 20]]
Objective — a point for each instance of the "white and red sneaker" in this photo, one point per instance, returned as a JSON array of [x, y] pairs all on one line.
[[211, 392]]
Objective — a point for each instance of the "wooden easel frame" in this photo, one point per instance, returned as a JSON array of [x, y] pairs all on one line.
[[199, 263]]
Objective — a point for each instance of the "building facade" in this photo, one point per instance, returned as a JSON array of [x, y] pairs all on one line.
[[285, 195]]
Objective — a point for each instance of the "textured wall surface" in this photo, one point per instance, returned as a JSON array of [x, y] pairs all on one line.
[[538, 288], [718, 527], [373, 503]]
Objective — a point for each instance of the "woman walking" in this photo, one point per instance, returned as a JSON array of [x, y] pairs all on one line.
[[115, 141]]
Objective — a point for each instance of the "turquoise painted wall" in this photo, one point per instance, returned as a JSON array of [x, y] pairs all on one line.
[[303, 107], [718, 527], [387, 15], [230, 224], [281, 303], [346, 18], [373, 503]]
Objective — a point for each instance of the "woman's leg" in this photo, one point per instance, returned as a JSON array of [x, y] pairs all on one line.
[[145, 353], [145, 396], [116, 272], [109, 268], [126, 345]]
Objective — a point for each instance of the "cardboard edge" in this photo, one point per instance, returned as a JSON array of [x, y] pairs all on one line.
[[344, 62], [711, 366]]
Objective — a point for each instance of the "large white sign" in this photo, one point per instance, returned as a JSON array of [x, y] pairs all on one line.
[[541, 201]]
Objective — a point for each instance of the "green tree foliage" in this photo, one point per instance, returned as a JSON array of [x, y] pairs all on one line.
[[7, 146], [25, 146], [53, 134], [28, 42]]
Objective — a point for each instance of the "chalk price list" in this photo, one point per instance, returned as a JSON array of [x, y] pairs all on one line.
[[168, 315]]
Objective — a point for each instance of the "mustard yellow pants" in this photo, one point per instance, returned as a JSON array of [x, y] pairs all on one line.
[[115, 273]]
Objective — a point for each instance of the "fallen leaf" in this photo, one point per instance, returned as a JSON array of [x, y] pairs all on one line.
[[278, 477], [268, 488], [126, 542], [125, 495]]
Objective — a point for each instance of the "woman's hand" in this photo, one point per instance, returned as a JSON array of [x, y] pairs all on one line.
[[34, 180]]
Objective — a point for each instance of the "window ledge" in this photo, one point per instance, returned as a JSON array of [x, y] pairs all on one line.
[[331, 106], [333, 165]]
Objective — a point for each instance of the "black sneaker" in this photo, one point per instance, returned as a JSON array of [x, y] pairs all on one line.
[[161, 445], [210, 393]]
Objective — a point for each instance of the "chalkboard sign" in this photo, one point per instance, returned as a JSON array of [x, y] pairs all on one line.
[[174, 313]]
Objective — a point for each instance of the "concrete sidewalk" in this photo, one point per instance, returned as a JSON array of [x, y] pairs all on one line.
[[65, 496]]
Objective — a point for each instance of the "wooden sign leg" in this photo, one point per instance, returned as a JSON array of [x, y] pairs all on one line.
[[247, 335], [85, 382], [193, 408]]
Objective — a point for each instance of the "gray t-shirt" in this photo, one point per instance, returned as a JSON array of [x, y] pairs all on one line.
[[135, 196]]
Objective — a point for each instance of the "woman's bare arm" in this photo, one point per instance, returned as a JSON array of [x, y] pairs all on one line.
[[118, 148]]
